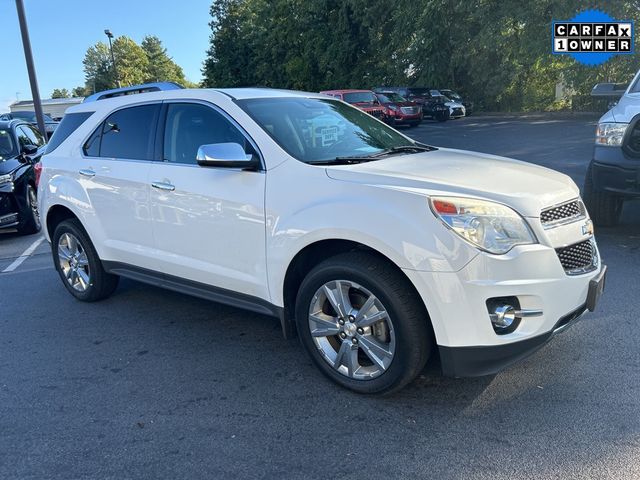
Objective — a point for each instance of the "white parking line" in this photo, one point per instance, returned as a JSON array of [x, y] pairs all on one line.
[[26, 254]]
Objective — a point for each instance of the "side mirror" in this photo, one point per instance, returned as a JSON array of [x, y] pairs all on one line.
[[28, 151], [225, 155]]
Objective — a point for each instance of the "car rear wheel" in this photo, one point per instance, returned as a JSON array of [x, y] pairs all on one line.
[[30, 217], [78, 264], [605, 209], [362, 323]]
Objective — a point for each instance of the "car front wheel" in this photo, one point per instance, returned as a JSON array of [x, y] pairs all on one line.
[[362, 323], [31, 217]]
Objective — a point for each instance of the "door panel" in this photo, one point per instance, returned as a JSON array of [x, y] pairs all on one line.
[[208, 223], [115, 175]]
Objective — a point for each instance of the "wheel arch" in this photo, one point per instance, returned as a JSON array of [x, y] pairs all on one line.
[[316, 252], [56, 214]]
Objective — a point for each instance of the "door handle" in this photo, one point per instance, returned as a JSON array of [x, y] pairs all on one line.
[[163, 186], [87, 173]]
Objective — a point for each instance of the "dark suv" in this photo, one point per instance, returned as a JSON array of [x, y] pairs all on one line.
[[21, 146], [432, 106]]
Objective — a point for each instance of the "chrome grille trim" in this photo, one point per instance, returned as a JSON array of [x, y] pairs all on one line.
[[567, 212]]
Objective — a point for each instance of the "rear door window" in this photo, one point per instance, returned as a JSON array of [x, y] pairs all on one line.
[[127, 134]]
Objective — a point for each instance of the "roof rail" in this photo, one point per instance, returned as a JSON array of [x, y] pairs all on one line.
[[133, 89]]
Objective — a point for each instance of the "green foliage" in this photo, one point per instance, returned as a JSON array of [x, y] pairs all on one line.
[[160, 66], [79, 92], [135, 64], [60, 93], [495, 51]]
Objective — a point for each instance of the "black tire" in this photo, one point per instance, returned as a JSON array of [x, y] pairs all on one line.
[[414, 124], [101, 284], [405, 308], [30, 222], [605, 209]]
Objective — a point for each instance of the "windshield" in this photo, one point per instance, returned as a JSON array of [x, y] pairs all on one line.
[[391, 97], [451, 94], [7, 145], [419, 92], [313, 129], [359, 97]]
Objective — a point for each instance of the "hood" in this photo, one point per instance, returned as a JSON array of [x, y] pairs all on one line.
[[627, 107], [523, 186], [400, 104], [8, 165]]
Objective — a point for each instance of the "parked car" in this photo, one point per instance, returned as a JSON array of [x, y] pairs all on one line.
[[50, 124], [432, 107], [456, 97], [613, 175], [456, 109], [365, 100], [376, 249], [398, 110], [21, 146]]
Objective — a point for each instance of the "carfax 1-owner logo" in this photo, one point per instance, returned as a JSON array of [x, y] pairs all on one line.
[[592, 37]]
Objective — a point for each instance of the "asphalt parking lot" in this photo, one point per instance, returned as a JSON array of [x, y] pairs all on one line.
[[154, 384]]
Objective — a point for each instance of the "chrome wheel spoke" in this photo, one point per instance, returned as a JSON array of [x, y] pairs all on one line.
[[64, 254], [325, 327], [334, 301], [366, 306], [371, 319], [82, 260], [377, 352], [83, 278], [347, 356]]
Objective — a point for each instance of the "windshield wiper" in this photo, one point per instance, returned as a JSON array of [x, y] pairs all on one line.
[[342, 160], [416, 148]]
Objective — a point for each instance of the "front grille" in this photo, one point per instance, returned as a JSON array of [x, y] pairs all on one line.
[[632, 139], [376, 113], [457, 111], [565, 213], [578, 258], [409, 110]]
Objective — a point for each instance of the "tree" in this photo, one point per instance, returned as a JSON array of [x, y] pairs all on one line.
[[131, 61], [79, 92], [98, 69], [60, 93], [161, 68]]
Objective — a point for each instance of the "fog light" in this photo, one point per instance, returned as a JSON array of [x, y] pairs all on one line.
[[503, 316]]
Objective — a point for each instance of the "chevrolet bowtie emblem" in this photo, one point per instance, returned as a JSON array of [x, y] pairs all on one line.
[[587, 228]]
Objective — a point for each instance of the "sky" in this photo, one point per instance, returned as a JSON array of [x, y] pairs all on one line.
[[62, 30]]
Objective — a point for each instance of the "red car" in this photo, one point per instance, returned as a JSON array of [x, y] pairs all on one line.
[[365, 100], [398, 110]]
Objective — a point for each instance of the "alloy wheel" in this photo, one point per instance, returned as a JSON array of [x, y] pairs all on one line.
[[352, 329], [74, 262]]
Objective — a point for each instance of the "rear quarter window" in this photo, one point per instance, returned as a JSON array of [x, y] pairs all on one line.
[[69, 124]]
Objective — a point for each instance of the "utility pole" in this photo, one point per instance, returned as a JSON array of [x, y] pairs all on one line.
[[109, 35], [28, 56]]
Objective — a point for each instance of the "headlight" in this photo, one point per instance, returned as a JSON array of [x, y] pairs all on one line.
[[6, 179], [610, 134], [488, 226]]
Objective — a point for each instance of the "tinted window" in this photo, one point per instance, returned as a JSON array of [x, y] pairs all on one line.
[[7, 145], [23, 138], [128, 133], [359, 97], [188, 126], [68, 125], [35, 135]]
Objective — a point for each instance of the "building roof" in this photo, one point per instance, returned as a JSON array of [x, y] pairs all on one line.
[[49, 101]]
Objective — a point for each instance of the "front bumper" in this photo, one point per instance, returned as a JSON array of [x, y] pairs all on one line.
[[8, 210], [615, 172], [457, 306]]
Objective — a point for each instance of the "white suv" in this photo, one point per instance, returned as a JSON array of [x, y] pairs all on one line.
[[378, 251]]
